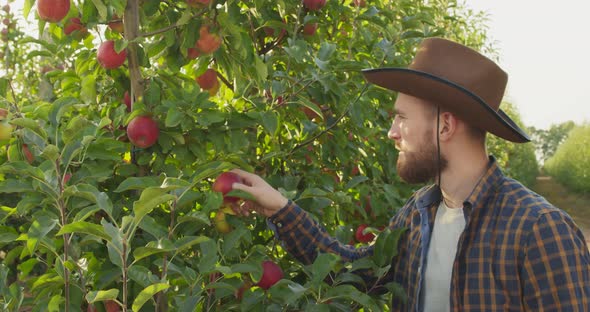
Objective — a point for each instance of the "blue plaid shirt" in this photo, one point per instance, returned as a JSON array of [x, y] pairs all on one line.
[[517, 252]]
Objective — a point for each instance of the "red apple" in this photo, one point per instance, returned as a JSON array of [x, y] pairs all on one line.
[[192, 53], [67, 177], [127, 100], [314, 5], [53, 11], [3, 113], [198, 3], [311, 114], [224, 184], [143, 131], [309, 29], [359, 3], [108, 58], [90, 308], [28, 155], [111, 306], [239, 294], [116, 24], [6, 8], [361, 237], [271, 274], [207, 42], [6, 21], [208, 79], [75, 28]]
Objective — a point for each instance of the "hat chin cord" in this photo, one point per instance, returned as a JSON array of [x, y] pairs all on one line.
[[438, 146]]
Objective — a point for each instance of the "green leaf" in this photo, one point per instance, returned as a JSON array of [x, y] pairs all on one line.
[[287, 292], [386, 246], [355, 181], [15, 186], [209, 256], [90, 193], [188, 241], [102, 295], [7, 234], [240, 194], [88, 90], [351, 293], [51, 152], [149, 199], [327, 50], [174, 116], [270, 121], [185, 18], [146, 294], [138, 183], [115, 244], [27, 7], [31, 124], [58, 108], [311, 105], [322, 266], [40, 227], [143, 252], [86, 228], [101, 8]]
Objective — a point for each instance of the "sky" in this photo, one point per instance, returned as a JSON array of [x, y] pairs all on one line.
[[544, 46]]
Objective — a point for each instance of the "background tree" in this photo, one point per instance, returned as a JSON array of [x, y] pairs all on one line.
[[517, 160], [547, 141], [570, 165], [107, 174]]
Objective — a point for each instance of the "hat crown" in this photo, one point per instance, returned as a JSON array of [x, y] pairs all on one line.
[[462, 66]]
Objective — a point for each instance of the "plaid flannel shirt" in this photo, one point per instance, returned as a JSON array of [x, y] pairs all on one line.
[[517, 252]]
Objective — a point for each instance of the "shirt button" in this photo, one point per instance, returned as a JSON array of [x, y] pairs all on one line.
[[280, 225]]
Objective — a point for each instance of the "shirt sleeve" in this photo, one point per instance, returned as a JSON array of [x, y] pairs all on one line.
[[303, 237], [556, 270]]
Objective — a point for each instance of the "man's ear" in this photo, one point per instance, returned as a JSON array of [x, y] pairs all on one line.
[[448, 126]]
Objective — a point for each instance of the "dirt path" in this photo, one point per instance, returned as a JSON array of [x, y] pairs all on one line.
[[576, 205]]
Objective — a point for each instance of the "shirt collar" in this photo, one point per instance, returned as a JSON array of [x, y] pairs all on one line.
[[486, 185]]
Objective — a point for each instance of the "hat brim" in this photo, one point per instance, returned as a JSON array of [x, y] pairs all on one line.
[[468, 106]]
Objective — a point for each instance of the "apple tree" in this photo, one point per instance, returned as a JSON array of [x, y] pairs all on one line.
[[118, 116]]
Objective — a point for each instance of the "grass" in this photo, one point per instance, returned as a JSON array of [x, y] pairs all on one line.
[[576, 205]]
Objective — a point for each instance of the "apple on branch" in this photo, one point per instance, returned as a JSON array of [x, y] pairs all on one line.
[[314, 5], [53, 11], [271, 274], [116, 24], [127, 100], [362, 236], [108, 57], [207, 42], [224, 184], [75, 28], [208, 81], [143, 131]]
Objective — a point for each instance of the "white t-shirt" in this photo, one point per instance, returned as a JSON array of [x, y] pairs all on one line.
[[449, 223]]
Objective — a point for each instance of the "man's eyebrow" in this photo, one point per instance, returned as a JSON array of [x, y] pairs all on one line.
[[398, 112]]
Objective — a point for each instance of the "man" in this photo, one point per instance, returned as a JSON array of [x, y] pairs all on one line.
[[476, 240]]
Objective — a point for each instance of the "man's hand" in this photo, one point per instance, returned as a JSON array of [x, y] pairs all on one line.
[[267, 200]]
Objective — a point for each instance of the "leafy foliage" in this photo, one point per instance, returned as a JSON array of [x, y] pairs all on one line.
[[547, 141], [90, 220], [517, 160], [571, 163]]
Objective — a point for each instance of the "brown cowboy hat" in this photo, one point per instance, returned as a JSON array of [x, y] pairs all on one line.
[[457, 78]]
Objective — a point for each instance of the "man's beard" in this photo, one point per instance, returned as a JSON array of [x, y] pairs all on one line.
[[421, 166]]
